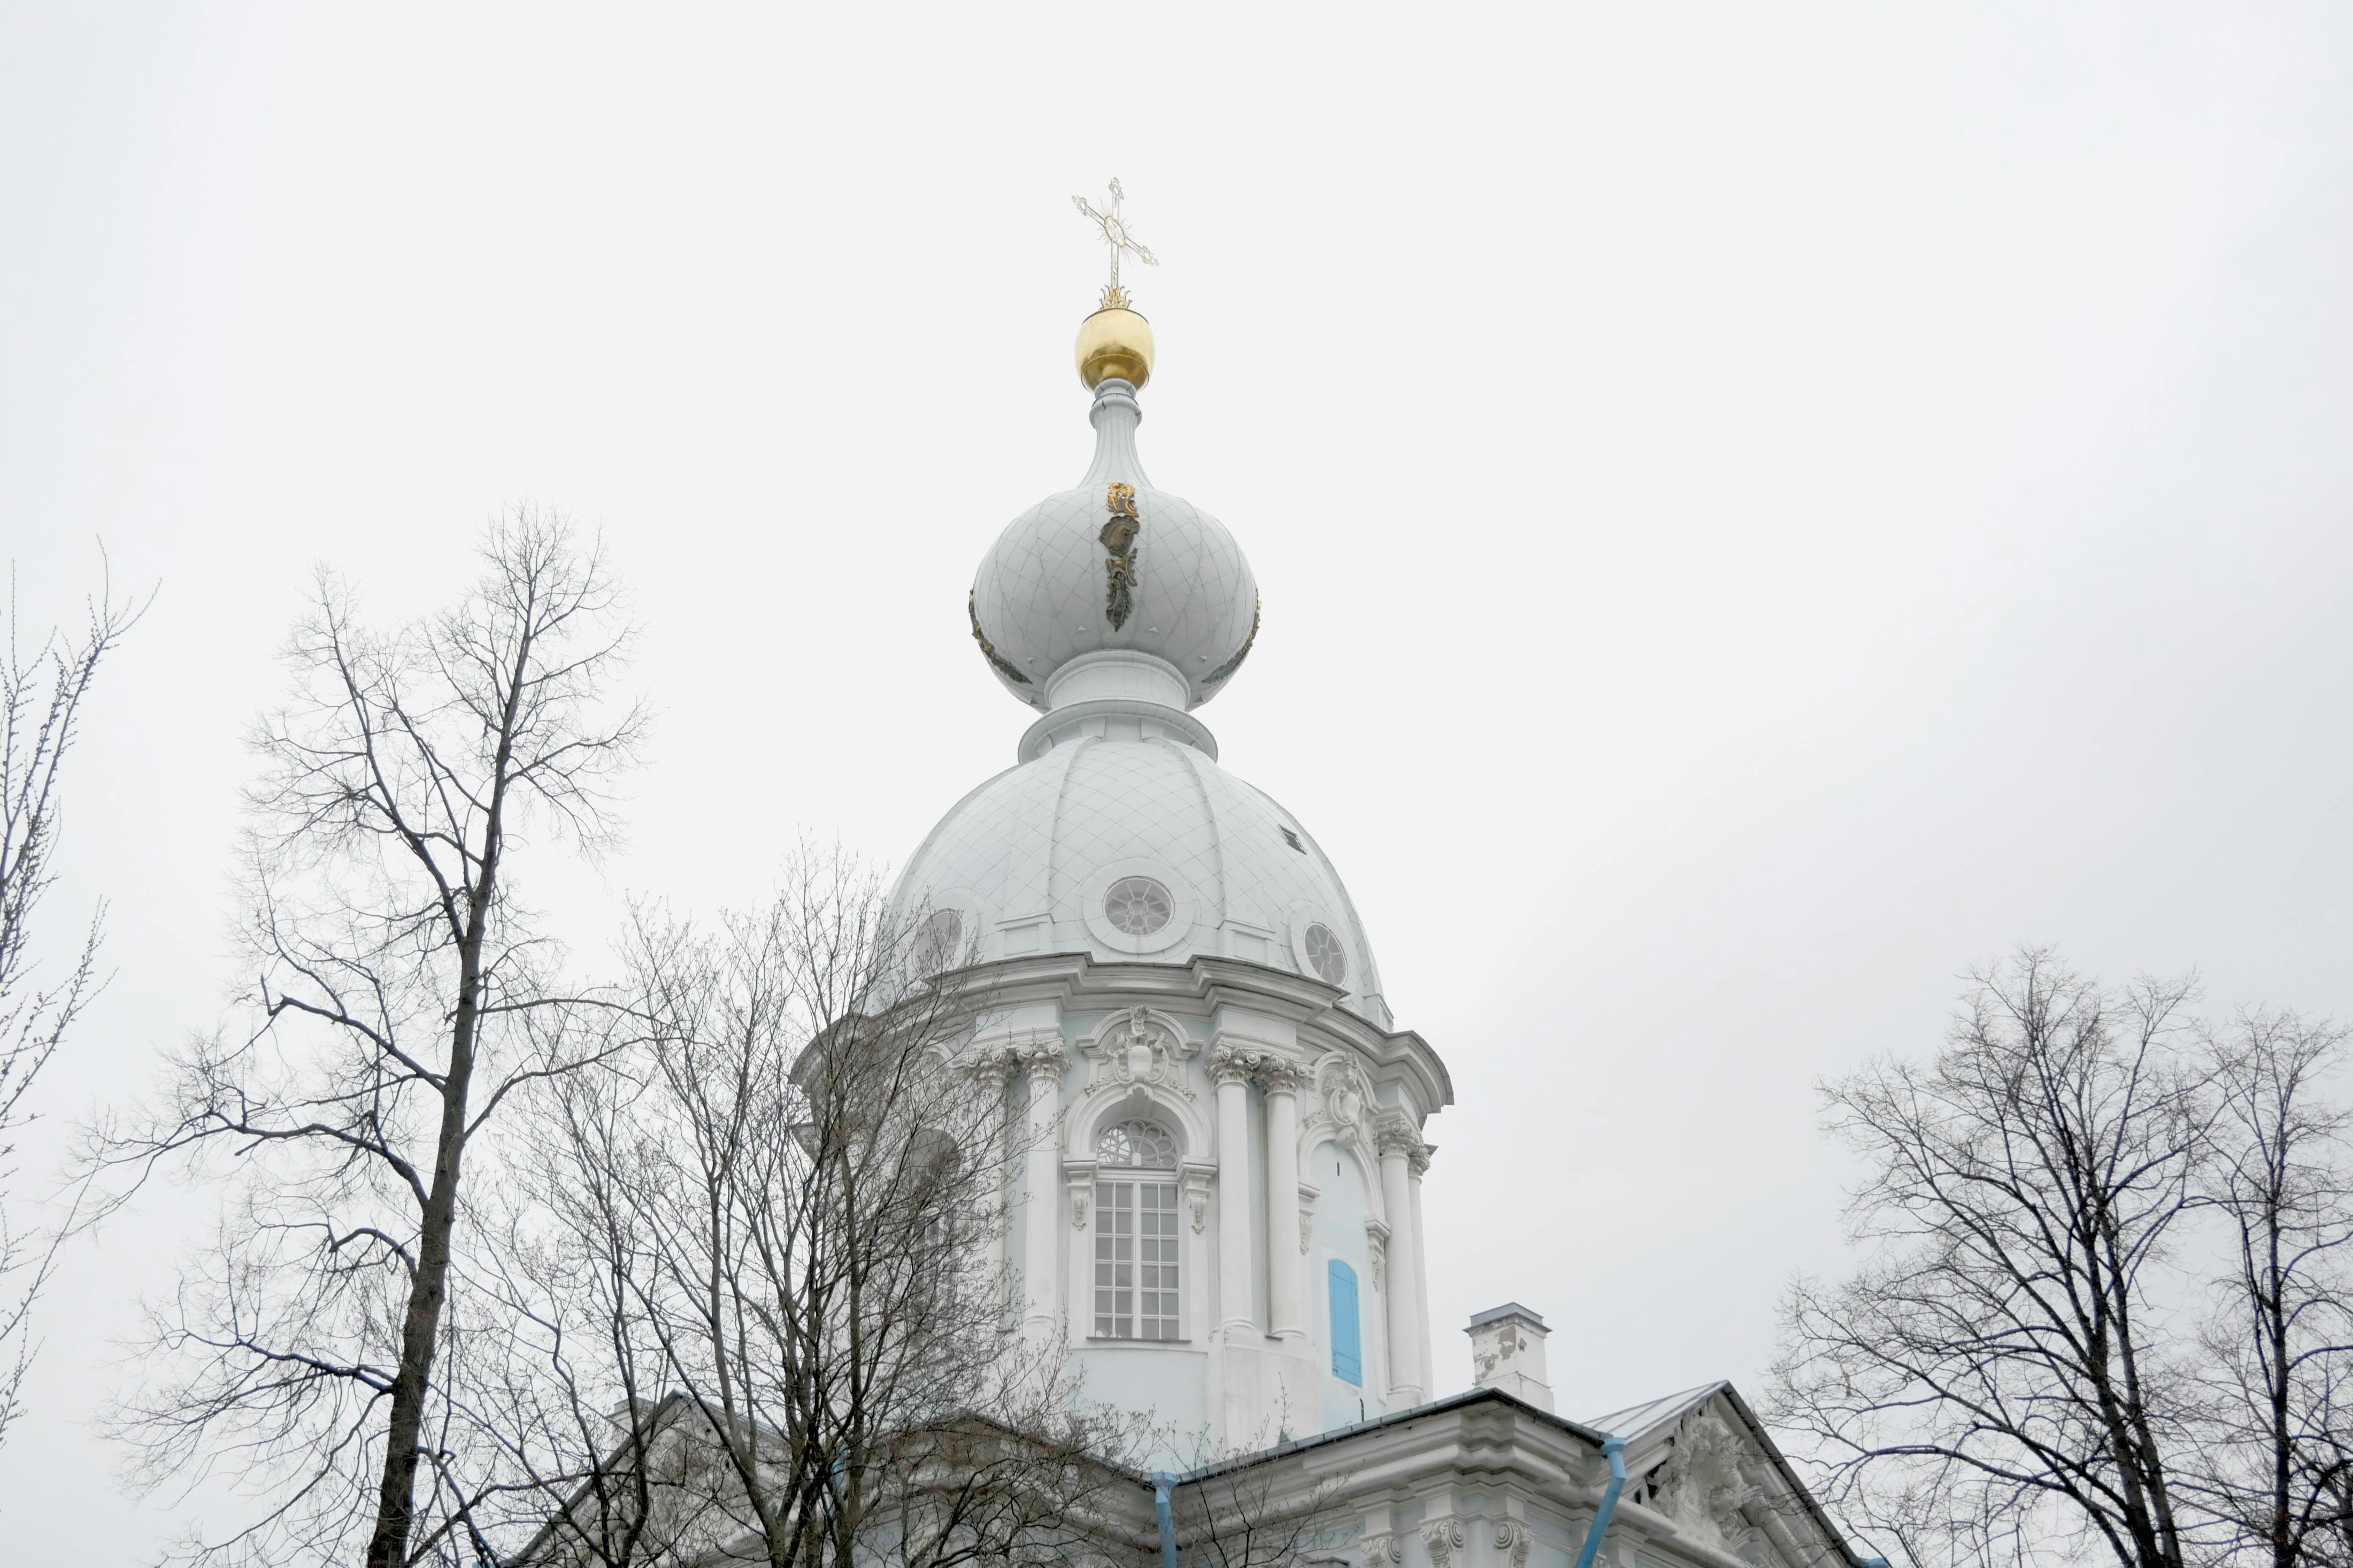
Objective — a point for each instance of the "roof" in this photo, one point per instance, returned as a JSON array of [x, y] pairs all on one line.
[[1636, 1420]]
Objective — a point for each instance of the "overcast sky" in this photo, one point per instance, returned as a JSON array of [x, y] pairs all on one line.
[[1759, 509]]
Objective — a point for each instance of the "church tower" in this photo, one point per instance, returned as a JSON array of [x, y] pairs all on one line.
[[1219, 1211]]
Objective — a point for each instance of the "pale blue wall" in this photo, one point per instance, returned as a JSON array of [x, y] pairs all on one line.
[[1339, 1232]]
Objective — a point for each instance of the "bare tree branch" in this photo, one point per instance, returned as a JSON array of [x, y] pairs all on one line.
[[41, 695], [397, 974]]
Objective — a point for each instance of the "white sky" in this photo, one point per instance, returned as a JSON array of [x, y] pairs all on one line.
[[1759, 508]]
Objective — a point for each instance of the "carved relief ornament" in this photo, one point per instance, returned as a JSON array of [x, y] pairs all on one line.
[[1442, 1537], [1133, 1047], [1700, 1486], [1233, 1064], [1118, 539], [996, 661], [1281, 1075], [1343, 1103], [1040, 1054], [1396, 1135], [1241, 653], [1511, 1539]]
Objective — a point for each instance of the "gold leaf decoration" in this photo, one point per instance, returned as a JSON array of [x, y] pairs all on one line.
[[997, 661], [1118, 538], [1241, 653]]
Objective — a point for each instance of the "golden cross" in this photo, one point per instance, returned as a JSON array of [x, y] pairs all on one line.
[[1116, 235]]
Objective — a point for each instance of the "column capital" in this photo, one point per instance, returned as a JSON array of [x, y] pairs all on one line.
[[1233, 1064], [1418, 1160], [1280, 1075], [1040, 1054], [1396, 1134]]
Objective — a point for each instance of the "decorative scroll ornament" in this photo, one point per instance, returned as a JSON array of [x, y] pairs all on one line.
[[1133, 1048], [996, 661], [1235, 663], [1441, 1537], [1077, 1208], [1346, 1104], [1512, 1538], [1384, 1548], [1700, 1487], [1116, 235], [1118, 537]]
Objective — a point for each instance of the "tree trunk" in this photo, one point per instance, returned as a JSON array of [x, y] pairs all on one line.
[[420, 1326]]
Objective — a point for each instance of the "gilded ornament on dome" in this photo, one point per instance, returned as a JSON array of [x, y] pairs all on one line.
[[1241, 653], [1118, 538], [996, 661]]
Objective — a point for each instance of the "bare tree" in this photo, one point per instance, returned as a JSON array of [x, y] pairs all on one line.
[[2275, 1436], [403, 993], [41, 695], [1996, 1377], [1259, 1510], [778, 1204]]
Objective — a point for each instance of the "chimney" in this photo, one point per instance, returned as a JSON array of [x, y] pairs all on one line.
[[1507, 1352]]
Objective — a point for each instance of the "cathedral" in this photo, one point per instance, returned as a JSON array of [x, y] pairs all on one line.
[[1218, 1215]]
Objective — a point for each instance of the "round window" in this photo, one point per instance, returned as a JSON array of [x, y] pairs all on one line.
[[1325, 955], [939, 940], [1138, 906]]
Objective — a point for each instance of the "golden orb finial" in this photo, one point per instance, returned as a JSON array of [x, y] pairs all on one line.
[[1115, 341]]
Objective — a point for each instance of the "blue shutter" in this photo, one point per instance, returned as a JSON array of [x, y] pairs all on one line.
[[1348, 1352]]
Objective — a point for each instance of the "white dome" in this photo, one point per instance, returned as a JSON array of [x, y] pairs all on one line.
[[1045, 595], [1124, 840]]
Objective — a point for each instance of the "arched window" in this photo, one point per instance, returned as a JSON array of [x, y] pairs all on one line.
[[1348, 1345], [1135, 1233], [1145, 1143]]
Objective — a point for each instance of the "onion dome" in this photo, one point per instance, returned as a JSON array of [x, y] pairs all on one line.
[[1114, 585], [1116, 609]]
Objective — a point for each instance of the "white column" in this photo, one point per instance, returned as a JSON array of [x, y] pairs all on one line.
[[1041, 1162], [1231, 1068], [1416, 1163], [1397, 1141], [1285, 1296], [995, 1073]]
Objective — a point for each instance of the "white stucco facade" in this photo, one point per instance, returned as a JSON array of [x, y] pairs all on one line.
[[1166, 949], [1167, 944]]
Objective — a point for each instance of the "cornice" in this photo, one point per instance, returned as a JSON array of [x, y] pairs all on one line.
[[1079, 981]]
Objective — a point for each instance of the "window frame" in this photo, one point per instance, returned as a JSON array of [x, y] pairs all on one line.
[[1138, 1205]]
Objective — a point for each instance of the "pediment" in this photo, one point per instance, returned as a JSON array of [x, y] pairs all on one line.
[[1703, 1460]]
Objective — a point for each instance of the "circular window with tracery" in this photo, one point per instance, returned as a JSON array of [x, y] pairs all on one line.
[[1141, 1143], [1138, 906], [1325, 955]]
